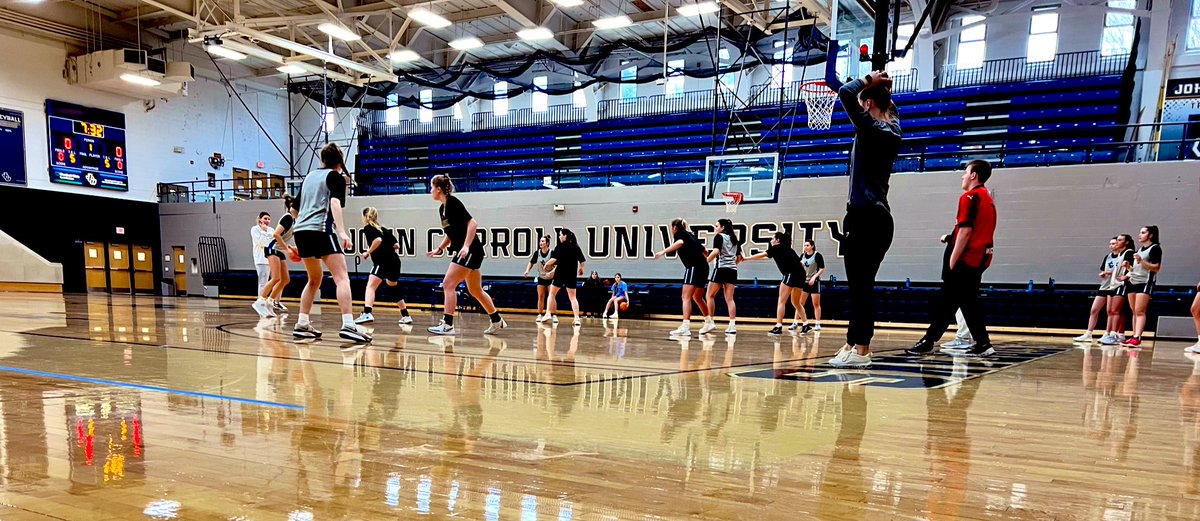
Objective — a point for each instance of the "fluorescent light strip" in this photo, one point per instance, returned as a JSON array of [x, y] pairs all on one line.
[[613, 22], [224, 52], [535, 33], [568, 3], [698, 9], [338, 31], [428, 18], [404, 55], [140, 80], [291, 69], [467, 43]]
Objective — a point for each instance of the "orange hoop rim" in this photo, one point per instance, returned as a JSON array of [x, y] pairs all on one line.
[[737, 197], [815, 87]]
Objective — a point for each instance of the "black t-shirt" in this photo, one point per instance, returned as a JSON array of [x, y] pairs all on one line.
[[385, 254], [286, 222], [691, 254], [454, 223], [786, 259], [567, 259]]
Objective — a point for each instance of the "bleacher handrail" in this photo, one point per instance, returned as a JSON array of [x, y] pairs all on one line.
[[1010, 70]]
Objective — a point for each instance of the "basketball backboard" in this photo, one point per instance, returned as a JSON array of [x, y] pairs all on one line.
[[756, 176]]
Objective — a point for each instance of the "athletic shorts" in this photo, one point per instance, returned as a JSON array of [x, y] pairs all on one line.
[[1106, 292], [315, 245], [565, 280], [793, 280], [472, 261], [811, 289], [695, 275], [387, 271], [272, 252], [725, 276], [1147, 288], [545, 283]]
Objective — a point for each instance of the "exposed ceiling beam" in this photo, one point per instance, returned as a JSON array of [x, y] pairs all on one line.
[[746, 13]]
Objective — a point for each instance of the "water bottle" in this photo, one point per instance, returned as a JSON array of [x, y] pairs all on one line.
[[907, 283], [1030, 286], [1051, 283], [756, 282]]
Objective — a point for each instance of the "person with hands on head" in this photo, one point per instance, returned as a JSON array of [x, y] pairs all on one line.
[[458, 227], [321, 238]]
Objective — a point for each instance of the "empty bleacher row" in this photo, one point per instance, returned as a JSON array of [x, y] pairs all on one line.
[[1046, 122]]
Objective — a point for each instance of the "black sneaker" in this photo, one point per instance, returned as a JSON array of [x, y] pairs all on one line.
[[777, 330], [921, 348], [805, 329], [354, 333], [980, 350]]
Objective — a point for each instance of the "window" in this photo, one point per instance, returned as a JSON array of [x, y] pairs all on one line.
[[729, 79], [330, 115], [541, 101], [426, 112], [628, 90], [458, 110], [391, 116], [782, 73], [1043, 35], [971, 45], [674, 87], [902, 66], [500, 104], [579, 96], [1193, 32], [1118, 29]]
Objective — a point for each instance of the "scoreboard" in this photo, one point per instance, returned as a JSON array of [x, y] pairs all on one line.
[[87, 146]]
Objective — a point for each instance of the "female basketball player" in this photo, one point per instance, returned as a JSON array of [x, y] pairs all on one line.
[[459, 230], [1115, 328], [1143, 271], [277, 252], [260, 236], [382, 249], [544, 276], [793, 275], [321, 237], [568, 264], [695, 263], [868, 226], [620, 295], [814, 267], [1110, 267], [727, 251], [1195, 348]]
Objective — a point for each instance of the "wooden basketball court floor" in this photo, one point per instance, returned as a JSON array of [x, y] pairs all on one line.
[[161, 408]]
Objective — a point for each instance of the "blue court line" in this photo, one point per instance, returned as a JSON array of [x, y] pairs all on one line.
[[31, 372]]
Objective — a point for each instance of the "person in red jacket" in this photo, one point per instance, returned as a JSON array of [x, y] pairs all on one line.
[[968, 255]]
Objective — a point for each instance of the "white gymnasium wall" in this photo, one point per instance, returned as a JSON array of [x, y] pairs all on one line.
[[206, 121]]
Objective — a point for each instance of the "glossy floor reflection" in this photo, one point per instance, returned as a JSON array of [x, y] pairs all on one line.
[[160, 408]]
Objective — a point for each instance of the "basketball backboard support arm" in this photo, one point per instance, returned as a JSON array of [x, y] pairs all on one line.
[[880, 54]]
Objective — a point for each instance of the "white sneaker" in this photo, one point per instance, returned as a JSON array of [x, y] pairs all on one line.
[[354, 333], [731, 330], [708, 326], [794, 326], [495, 327], [364, 318], [542, 318], [1086, 337], [577, 323], [816, 326], [260, 307], [682, 330], [841, 355], [1110, 340], [957, 343], [406, 320], [442, 329], [554, 318], [852, 359], [1194, 348]]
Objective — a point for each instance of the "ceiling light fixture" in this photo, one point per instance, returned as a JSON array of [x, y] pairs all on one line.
[[140, 80], [613, 22], [291, 69], [338, 31], [224, 52], [698, 9], [535, 33], [404, 55], [467, 43], [568, 3], [428, 18]]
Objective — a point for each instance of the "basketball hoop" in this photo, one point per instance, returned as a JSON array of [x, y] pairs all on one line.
[[819, 99], [732, 200]]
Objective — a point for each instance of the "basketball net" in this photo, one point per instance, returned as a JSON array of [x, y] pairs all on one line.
[[732, 200], [817, 97]]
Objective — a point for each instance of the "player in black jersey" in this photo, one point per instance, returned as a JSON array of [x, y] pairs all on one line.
[[568, 264], [382, 249], [458, 227], [695, 274]]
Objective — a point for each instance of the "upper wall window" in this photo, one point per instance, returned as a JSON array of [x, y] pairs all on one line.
[[1117, 37], [971, 45], [1043, 35]]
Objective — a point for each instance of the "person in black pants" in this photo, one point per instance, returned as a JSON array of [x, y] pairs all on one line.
[[968, 255], [868, 225]]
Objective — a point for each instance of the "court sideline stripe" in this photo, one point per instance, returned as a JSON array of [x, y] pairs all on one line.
[[99, 381]]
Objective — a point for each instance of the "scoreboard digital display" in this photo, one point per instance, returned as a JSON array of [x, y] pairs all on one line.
[[87, 146]]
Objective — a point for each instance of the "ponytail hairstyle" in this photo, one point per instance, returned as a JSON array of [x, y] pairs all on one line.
[[1127, 239], [372, 216], [1153, 231], [289, 203], [811, 243], [728, 226], [443, 182], [570, 235], [679, 223], [784, 239], [879, 93], [332, 157]]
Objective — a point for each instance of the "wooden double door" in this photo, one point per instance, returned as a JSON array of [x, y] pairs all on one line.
[[118, 268]]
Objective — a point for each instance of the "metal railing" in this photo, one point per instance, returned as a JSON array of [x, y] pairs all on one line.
[[1064, 65], [526, 117], [657, 104], [416, 127]]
